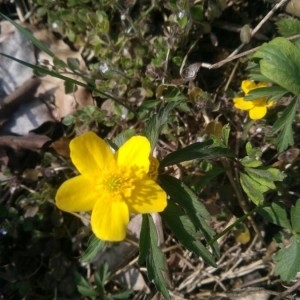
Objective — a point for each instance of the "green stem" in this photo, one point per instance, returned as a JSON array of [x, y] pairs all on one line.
[[236, 223]]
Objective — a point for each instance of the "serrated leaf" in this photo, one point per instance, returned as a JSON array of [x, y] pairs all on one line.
[[295, 217], [276, 213], [288, 26], [253, 189], [280, 63], [94, 247], [188, 200], [199, 150], [283, 125], [152, 256], [288, 261], [265, 177], [185, 231]]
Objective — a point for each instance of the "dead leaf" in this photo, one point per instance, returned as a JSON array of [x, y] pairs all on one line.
[[29, 142]]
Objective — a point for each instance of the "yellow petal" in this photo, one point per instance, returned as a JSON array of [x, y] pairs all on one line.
[[257, 112], [262, 84], [135, 153], [76, 194], [240, 103], [147, 197], [248, 85], [109, 219], [90, 154]]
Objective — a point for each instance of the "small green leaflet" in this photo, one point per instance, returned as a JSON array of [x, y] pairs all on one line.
[[288, 261], [283, 126], [152, 256]]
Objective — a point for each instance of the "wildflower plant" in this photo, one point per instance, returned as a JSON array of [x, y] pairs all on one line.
[[118, 177]]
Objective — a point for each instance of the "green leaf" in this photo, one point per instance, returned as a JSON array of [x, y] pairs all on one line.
[[152, 255], [45, 71], [288, 261], [199, 150], [280, 63], [73, 63], [157, 122], [283, 125], [250, 162], [276, 213], [84, 287], [203, 181], [225, 134], [265, 177], [288, 26], [188, 200], [254, 153], [272, 92], [69, 87], [197, 13], [295, 217], [94, 247], [253, 189], [28, 35], [185, 231]]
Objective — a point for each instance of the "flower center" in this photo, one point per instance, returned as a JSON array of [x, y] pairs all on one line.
[[114, 183], [117, 183]]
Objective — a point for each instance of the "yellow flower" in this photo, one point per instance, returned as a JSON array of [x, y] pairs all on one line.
[[258, 107], [111, 185]]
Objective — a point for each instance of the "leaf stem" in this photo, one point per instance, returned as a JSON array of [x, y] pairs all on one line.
[[236, 223]]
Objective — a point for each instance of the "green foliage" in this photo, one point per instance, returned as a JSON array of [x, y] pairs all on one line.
[[195, 212], [86, 116], [283, 126], [185, 232], [288, 260], [152, 256], [256, 180], [157, 122], [272, 93], [94, 247], [288, 26], [276, 213], [280, 63], [288, 257], [98, 291], [199, 150], [129, 51]]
